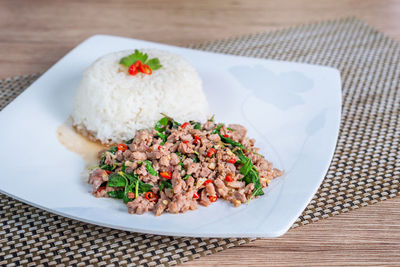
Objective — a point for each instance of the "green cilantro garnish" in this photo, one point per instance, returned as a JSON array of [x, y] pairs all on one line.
[[153, 63]]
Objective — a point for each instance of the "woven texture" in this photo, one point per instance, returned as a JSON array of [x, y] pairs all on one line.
[[365, 168]]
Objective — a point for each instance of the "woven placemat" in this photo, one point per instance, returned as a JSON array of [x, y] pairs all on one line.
[[365, 168]]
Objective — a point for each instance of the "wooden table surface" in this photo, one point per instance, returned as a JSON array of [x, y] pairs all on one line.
[[35, 34]]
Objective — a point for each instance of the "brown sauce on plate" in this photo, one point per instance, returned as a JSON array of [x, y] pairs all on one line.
[[78, 143]]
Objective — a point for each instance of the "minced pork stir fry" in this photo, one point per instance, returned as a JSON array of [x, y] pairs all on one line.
[[174, 167]]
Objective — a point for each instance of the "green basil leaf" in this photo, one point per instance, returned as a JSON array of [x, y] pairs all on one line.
[[150, 168], [165, 184], [132, 58], [129, 141], [119, 194], [217, 129], [116, 180], [154, 64], [162, 124]]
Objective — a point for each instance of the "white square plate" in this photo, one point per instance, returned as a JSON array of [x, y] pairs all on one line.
[[291, 109]]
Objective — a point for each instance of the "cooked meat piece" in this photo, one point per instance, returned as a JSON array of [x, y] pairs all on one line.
[[221, 188], [119, 155], [239, 131], [103, 193], [209, 125], [162, 204], [141, 156], [140, 205], [154, 155], [174, 159], [248, 190], [236, 184], [214, 138], [164, 161], [185, 148], [191, 168], [110, 158], [150, 179], [204, 200], [205, 171], [141, 171], [97, 177], [210, 190], [237, 198]]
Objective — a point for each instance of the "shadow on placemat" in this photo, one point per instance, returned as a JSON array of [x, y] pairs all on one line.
[[365, 168]]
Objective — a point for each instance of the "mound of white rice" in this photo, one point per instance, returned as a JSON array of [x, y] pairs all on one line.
[[110, 105]]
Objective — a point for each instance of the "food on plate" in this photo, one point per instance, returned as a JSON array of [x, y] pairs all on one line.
[[126, 91], [174, 167]]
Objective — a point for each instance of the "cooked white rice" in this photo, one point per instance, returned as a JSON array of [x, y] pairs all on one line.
[[110, 105]]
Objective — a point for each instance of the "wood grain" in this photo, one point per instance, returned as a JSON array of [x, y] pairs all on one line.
[[35, 34]]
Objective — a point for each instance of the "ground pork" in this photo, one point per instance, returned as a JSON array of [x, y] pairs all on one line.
[[191, 166]]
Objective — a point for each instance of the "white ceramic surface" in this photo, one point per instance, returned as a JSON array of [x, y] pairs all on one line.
[[291, 109]]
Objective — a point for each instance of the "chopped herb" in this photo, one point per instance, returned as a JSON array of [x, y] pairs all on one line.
[[113, 149], [154, 64], [163, 137], [230, 129], [129, 141], [212, 118], [150, 168], [129, 181], [196, 159], [102, 164], [132, 58], [250, 173], [107, 167], [186, 176], [123, 167], [196, 125], [165, 184], [137, 189], [227, 139], [119, 194], [116, 180], [163, 125], [181, 164], [217, 129]]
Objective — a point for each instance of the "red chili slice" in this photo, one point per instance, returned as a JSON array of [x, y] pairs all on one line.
[[101, 188], [145, 69], [185, 142], [212, 198], [226, 136], [138, 64], [122, 147], [196, 140], [184, 125], [108, 172], [166, 175], [207, 182], [233, 161], [211, 152], [196, 195], [150, 195], [132, 70], [228, 178]]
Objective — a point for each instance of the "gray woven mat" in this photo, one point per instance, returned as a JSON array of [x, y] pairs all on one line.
[[365, 168]]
